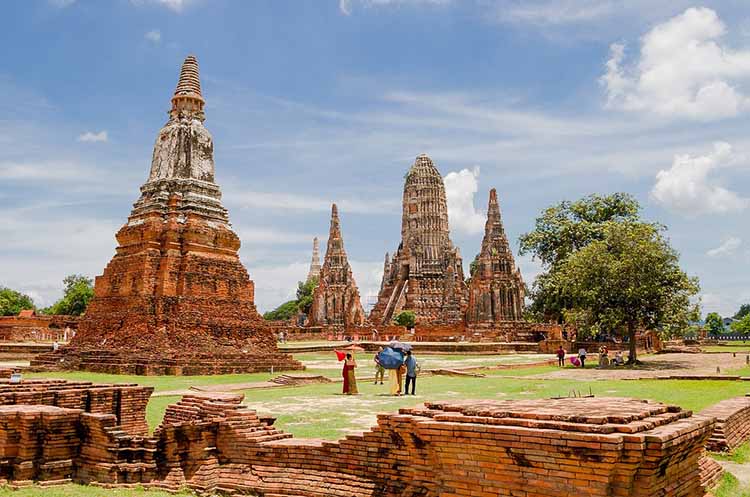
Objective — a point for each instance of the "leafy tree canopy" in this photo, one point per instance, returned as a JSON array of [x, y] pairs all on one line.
[[741, 325], [629, 279], [743, 311], [13, 302], [303, 302], [284, 312], [561, 231], [406, 318], [714, 323], [79, 290]]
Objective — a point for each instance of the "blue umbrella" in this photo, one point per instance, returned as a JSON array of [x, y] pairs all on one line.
[[390, 358], [403, 347]]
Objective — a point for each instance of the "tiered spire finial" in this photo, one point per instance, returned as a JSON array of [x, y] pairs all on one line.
[[315, 262], [188, 98]]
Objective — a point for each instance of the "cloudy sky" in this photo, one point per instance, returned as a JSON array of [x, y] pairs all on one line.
[[331, 100]]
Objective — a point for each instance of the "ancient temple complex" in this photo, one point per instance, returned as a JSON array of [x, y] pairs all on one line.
[[175, 299], [314, 271], [425, 274], [336, 298], [496, 289]]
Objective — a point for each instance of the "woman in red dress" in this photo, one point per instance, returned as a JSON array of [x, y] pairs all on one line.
[[350, 381]]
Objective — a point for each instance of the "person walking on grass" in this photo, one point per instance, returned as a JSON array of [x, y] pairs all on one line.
[[379, 369], [561, 356], [582, 356], [350, 380], [411, 372]]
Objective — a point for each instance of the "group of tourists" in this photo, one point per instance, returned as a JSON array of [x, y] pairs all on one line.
[[400, 367], [580, 359]]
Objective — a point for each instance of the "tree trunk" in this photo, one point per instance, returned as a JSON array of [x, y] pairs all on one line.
[[632, 344]]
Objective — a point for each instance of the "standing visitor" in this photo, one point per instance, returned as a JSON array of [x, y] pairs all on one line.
[[400, 377], [603, 356], [411, 372], [561, 356], [582, 356], [379, 369], [350, 381], [393, 382]]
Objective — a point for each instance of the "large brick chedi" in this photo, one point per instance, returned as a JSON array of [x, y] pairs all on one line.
[[496, 288], [425, 274], [336, 298], [175, 299]]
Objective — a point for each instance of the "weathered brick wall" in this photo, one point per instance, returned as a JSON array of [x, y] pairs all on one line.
[[126, 402], [582, 447], [36, 328], [732, 423]]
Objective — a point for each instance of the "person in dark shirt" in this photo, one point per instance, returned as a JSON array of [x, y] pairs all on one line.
[[411, 372]]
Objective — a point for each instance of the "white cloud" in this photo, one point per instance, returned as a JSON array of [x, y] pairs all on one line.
[[153, 36], [684, 70], [294, 202], [251, 236], [345, 6], [92, 137], [173, 5], [728, 247], [460, 188], [557, 12], [61, 4], [688, 186], [275, 285]]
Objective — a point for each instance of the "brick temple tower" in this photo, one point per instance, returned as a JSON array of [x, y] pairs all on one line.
[[425, 274], [336, 298], [175, 299], [496, 289], [314, 271]]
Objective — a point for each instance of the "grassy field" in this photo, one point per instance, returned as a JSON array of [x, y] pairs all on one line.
[[730, 487], [320, 411], [323, 363], [73, 490], [728, 347]]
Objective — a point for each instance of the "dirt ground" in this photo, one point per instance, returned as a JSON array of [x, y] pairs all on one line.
[[656, 365]]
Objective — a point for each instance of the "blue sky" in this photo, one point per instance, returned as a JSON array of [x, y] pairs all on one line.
[[311, 102]]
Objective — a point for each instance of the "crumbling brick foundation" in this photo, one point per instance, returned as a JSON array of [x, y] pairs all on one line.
[[732, 423], [582, 446]]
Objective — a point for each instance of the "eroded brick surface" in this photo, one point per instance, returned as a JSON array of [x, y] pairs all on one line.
[[175, 299], [336, 301]]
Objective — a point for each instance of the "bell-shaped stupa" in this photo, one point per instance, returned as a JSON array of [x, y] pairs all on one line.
[[175, 299]]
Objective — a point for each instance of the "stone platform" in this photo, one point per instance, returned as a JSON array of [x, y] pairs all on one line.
[[536, 448]]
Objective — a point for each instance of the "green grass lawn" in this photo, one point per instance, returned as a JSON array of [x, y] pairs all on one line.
[[729, 487], [320, 411], [73, 490], [740, 455], [728, 347]]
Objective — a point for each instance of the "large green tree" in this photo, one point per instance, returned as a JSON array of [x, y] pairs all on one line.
[[291, 308], [13, 302], [743, 311], [714, 324], [562, 230], [78, 291], [629, 279], [741, 325]]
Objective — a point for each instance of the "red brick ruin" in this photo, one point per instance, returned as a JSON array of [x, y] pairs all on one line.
[[425, 274], [314, 271], [336, 299], [175, 299], [213, 443], [496, 289]]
